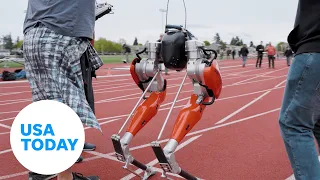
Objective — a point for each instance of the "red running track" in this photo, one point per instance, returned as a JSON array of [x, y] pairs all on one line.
[[237, 138]]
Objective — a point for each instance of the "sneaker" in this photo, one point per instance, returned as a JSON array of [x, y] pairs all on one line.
[[78, 176], [103, 9], [89, 147], [79, 160], [35, 176]]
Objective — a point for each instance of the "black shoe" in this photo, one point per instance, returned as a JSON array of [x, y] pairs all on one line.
[[35, 176], [79, 160], [78, 176], [89, 147]]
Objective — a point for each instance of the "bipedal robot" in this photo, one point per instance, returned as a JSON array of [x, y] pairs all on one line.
[[178, 50]]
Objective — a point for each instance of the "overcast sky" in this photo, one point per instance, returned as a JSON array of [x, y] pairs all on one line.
[[251, 20]]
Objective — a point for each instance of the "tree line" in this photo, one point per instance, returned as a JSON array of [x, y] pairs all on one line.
[[236, 41], [8, 43], [103, 45]]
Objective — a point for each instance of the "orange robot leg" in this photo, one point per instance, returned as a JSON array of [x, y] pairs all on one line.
[[192, 112], [149, 108], [187, 118], [146, 111]]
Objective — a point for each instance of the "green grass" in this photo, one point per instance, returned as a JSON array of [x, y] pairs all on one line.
[[115, 59], [107, 59], [10, 65]]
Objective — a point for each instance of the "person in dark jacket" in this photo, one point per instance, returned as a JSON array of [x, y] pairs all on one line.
[[299, 118], [127, 51], [288, 53], [233, 53], [244, 53], [260, 50], [228, 53]]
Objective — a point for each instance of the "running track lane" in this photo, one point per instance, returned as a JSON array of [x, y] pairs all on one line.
[[237, 150]]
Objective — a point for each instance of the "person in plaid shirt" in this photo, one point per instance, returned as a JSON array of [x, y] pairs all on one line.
[[60, 60]]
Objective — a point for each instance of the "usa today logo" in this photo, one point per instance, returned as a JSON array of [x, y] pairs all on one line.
[[47, 137]]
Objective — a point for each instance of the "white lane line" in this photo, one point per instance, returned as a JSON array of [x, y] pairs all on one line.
[[121, 75], [3, 133], [118, 97], [95, 86], [101, 155], [6, 119], [167, 104], [198, 132], [230, 97], [5, 126], [9, 112], [251, 75], [254, 70], [12, 82], [115, 87], [247, 105], [14, 175], [116, 75], [97, 81], [11, 93], [16, 102], [5, 151], [260, 75], [230, 85], [232, 122], [14, 87], [106, 100], [102, 82], [155, 161], [106, 156], [106, 122], [183, 99], [121, 97], [267, 79], [242, 72], [134, 89], [122, 86]]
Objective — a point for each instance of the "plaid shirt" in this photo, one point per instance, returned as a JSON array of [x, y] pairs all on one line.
[[93, 56], [52, 64]]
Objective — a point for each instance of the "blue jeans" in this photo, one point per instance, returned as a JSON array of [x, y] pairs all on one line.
[[244, 60], [300, 114]]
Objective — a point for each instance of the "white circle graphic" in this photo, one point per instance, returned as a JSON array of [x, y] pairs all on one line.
[[47, 137]]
